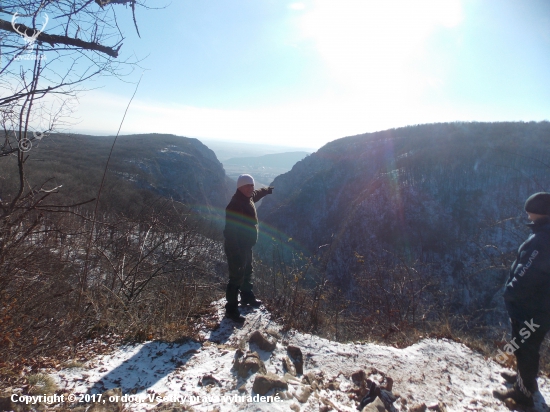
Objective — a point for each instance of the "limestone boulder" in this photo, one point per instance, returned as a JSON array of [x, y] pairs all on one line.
[[264, 342], [263, 383]]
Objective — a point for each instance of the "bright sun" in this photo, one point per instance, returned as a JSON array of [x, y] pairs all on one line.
[[368, 42]]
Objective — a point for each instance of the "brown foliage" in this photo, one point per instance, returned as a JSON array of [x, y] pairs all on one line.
[[150, 276]]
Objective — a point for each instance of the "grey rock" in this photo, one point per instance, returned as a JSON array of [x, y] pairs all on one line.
[[245, 363], [333, 386], [418, 408], [267, 343], [291, 379], [288, 366], [314, 379], [264, 383], [439, 407], [297, 358], [376, 406], [303, 394], [208, 379], [295, 407]]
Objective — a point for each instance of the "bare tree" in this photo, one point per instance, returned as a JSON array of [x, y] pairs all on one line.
[[49, 49]]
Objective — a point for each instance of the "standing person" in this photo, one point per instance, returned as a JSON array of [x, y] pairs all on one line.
[[241, 234], [527, 298]]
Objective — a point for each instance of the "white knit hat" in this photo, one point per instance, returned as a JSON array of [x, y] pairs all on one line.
[[245, 180]]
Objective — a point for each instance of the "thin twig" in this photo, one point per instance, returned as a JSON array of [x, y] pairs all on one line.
[[83, 280]]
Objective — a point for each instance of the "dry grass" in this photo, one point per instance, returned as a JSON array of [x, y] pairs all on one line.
[[152, 276], [41, 384], [73, 364], [321, 308]]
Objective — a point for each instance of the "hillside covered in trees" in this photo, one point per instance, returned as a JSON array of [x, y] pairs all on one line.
[[430, 213], [141, 167]]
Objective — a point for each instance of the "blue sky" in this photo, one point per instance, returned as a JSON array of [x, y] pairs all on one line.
[[304, 73]]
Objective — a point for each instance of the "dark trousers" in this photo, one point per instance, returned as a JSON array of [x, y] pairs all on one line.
[[239, 261], [528, 338]]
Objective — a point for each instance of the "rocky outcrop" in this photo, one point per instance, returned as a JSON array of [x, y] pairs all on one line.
[[439, 166], [178, 167], [376, 406]]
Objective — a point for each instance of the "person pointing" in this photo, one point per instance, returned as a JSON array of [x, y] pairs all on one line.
[[241, 234]]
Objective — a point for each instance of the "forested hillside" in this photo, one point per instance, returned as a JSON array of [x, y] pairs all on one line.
[[141, 168], [440, 205]]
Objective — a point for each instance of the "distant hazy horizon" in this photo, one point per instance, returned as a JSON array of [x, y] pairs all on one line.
[[304, 73], [269, 147]]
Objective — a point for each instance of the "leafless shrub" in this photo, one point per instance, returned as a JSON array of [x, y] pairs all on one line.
[[152, 276], [148, 271]]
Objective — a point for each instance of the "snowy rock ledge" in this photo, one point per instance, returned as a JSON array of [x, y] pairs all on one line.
[[256, 367]]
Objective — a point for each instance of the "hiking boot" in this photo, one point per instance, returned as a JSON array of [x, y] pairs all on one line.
[[254, 303], [510, 377], [248, 299], [515, 394], [232, 312], [235, 316]]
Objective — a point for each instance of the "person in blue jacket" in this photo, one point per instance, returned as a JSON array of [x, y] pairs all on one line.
[[527, 299]]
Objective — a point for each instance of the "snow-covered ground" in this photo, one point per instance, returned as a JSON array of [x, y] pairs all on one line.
[[199, 375]]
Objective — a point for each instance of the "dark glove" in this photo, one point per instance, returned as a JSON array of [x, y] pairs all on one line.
[[270, 190]]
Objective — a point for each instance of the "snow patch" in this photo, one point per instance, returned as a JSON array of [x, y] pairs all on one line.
[[200, 374]]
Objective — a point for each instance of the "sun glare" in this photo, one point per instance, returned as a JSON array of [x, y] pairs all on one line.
[[368, 42], [297, 6]]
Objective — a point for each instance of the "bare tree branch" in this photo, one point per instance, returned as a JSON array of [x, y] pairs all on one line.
[[54, 39]]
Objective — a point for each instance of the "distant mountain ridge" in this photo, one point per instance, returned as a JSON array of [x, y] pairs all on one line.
[[279, 160], [182, 168], [141, 165], [263, 168]]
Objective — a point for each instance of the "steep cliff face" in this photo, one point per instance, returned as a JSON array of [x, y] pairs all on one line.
[[159, 164], [179, 167], [436, 194]]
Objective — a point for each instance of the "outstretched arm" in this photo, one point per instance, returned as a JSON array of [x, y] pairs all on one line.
[[260, 193]]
